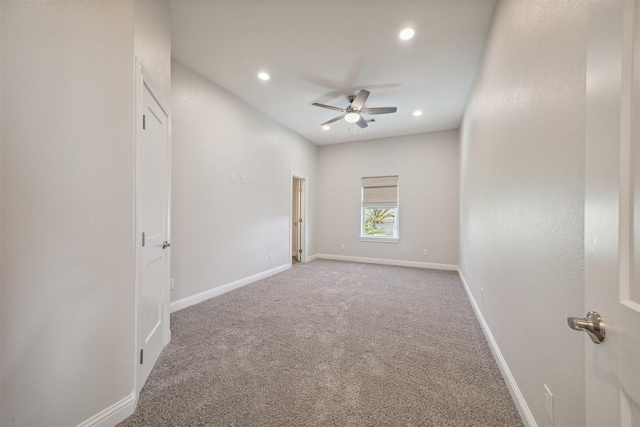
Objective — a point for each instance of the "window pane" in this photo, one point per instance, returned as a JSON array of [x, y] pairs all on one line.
[[380, 222]]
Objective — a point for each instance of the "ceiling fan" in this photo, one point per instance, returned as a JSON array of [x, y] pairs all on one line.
[[353, 113]]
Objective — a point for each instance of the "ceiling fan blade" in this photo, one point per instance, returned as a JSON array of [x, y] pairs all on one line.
[[379, 110], [333, 120], [329, 107], [362, 122], [359, 101]]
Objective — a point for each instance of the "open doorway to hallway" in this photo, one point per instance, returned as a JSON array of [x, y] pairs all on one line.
[[298, 222]]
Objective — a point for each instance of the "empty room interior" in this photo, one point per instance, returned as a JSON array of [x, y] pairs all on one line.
[[320, 213]]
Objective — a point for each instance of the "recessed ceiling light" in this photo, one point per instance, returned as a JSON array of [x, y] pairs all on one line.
[[407, 33], [326, 127], [264, 76], [417, 113]]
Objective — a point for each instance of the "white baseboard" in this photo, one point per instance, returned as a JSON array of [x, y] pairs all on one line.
[[312, 257], [219, 290], [516, 394], [119, 411], [114, 414], [418, 264]]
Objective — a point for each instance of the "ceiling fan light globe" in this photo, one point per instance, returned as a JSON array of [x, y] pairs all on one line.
[[352, 117], [406, 34]]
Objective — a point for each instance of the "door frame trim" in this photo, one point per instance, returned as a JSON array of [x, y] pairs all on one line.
[[142, 79], [304, 228]]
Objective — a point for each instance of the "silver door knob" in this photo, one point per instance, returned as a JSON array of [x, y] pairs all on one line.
[[593, 325], [165, 244]]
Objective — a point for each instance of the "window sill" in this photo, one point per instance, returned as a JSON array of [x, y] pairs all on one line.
[[379, 239]]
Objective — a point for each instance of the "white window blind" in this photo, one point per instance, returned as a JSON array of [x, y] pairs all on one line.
[[380, 191]]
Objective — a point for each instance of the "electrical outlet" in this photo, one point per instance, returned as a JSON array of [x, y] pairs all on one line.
[[548, 403], [269, 257], [342, 246], [232, 177], [243, 179], [171, 284], [424, 252], [481, 294]]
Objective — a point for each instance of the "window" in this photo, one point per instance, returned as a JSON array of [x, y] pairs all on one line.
[[379, 215]]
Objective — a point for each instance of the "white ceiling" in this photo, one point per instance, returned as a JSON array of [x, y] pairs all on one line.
[[322, 51]]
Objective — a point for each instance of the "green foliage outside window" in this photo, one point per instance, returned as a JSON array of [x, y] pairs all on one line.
[[376, 216]]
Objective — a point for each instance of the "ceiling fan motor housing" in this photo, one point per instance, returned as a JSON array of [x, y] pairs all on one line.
[[353, 113]]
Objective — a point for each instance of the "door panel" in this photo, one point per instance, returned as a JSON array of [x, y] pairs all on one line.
[[294, 218], [299, 219], [153, 211], [629, 288], [612, 374]]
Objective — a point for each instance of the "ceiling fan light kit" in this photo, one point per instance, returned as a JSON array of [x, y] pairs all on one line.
[[407, 33], [352, 117], [353, 113]]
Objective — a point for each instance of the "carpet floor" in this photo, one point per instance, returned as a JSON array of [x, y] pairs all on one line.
[[329, 343]]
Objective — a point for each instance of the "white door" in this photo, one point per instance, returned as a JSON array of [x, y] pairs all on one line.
[[294, 218], [612, 212], [153, 219], [298, 217]]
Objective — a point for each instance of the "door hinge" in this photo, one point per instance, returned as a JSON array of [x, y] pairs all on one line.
[[300, 251], [141, 356], [300, 220], [143, 240], [144, 121], [300, 189]]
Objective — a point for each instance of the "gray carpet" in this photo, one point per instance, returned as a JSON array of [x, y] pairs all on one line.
[[330, 343]]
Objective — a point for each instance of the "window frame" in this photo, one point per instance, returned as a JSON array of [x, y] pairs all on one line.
[[380, 239]]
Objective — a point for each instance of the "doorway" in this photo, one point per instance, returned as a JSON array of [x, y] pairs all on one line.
[[298, 220]]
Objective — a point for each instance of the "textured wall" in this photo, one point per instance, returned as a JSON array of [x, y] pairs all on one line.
[[67, 210], [153, 43], [427, 165], [522, 197], [67, 290], [224, 230]]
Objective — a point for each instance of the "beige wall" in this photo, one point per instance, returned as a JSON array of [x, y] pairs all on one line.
[[153, 44], [223, 230], [67, 204], [427, 166], [522, 197], [67, 242]]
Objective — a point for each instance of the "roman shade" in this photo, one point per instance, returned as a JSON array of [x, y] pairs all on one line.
[[380, 191]]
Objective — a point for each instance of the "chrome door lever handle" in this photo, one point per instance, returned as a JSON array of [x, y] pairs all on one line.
[[165, 244], [593, 325]]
